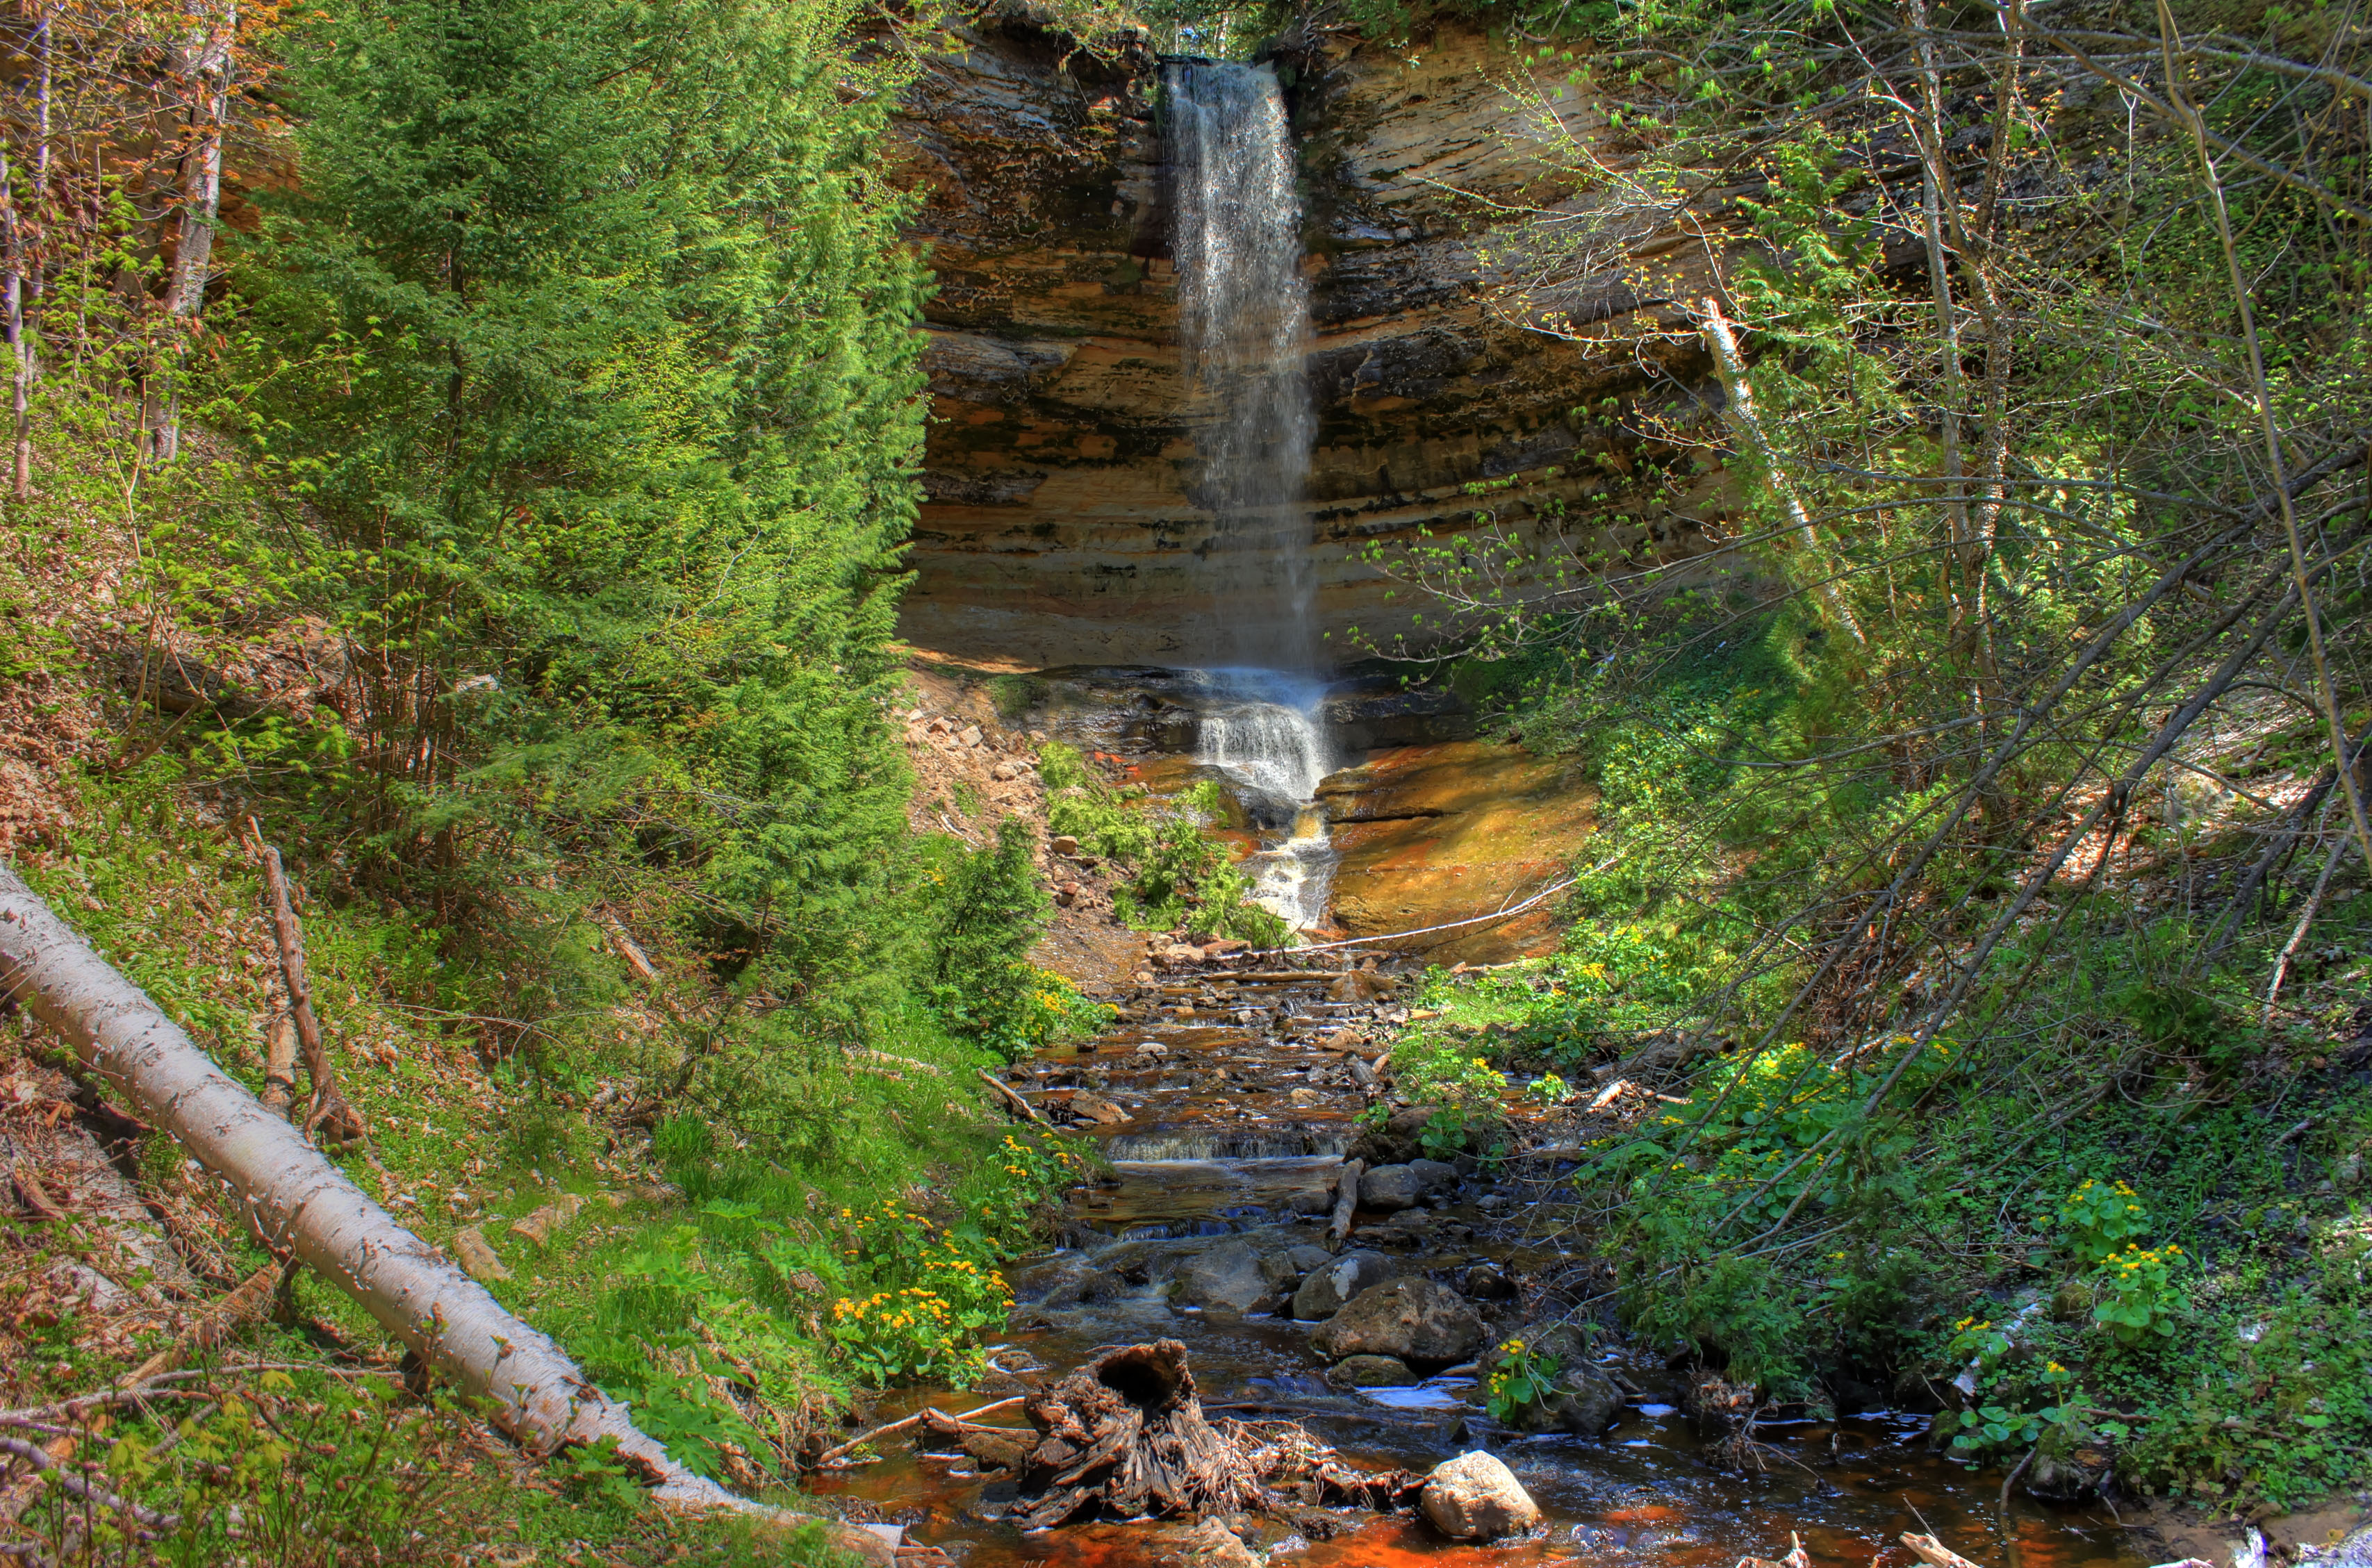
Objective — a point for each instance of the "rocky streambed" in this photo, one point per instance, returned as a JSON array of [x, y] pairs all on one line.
[[1319, 1270]]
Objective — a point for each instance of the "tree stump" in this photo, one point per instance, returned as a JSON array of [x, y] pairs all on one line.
[[1124, 1435]]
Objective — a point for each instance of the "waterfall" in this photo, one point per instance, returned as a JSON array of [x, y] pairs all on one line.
[[1243, 333]]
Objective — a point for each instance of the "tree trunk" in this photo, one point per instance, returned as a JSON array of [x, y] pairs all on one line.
[[295, 1195], [23, 271], [205, 64], [1747, 425]]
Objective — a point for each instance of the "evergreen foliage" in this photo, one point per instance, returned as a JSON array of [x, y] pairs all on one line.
[[590, 339]]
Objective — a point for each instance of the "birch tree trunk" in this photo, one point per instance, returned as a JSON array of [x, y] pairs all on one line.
[[294, 1195], [205, 62], [1739, 401], [24, 273]]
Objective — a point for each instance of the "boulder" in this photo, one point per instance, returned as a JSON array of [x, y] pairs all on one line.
[[1229, 1277], [1335, 1281], [1580, 1398], [1371, 1372], [1435, 1176], [1474, 1497], [1421, 1322], [1305, 1257], [1389, 1186]]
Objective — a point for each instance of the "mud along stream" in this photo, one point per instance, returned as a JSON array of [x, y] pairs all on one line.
[[1225, 1114]]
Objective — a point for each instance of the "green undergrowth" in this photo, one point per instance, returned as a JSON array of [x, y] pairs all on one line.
[[797, 1259], [1180, 876], [2127, 1214]]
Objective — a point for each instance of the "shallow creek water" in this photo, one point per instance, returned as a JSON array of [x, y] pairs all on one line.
[[1214, 1146]]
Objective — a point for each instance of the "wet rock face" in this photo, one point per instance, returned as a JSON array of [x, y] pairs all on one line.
[[1415, 1320], [1059, 525], [1474, 1497]]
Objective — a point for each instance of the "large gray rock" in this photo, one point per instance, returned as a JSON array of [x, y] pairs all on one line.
[[1474, 1497], [1305, 1257], [1417, 1320], [1335, 1281], [1580, 1398], [1229, 1277]]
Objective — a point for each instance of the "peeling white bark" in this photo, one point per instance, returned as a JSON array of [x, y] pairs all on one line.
[[297, 1196]]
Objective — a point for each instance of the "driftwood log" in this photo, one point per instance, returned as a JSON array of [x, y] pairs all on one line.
[[1124, 1438]]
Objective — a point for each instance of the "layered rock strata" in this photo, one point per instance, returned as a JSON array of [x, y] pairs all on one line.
[[1059, 528]]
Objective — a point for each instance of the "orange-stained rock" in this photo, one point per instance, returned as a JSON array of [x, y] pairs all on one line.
[[1431, 834]]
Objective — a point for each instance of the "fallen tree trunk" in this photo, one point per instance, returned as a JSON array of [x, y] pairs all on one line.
[[292, 1194]]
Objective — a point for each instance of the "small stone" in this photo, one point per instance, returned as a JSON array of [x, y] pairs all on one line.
[[969, 735], [1096, 1110], [1064, 844], [477, 1258], [1474, 1497], [1372, 1371], [1306, 1097], [1485, 1282], [1005, 773], [1208, 1545]]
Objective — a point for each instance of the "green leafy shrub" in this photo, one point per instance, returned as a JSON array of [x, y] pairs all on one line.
[[1178, 875]]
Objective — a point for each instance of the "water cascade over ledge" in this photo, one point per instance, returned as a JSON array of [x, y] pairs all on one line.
[[1244, 334]]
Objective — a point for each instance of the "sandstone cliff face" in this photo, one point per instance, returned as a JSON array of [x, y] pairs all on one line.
[[1058, 528]]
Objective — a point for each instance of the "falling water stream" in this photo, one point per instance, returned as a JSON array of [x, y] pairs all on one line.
[[1243, 335]]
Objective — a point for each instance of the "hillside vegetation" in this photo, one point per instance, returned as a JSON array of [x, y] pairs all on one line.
[[1985, 881]]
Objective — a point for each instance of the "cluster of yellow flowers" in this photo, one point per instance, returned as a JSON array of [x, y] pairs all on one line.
[[903, 1310], [2135, 1255], [1505, 1369]]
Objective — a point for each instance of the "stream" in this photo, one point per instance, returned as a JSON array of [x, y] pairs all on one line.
[[1236, 1119]]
